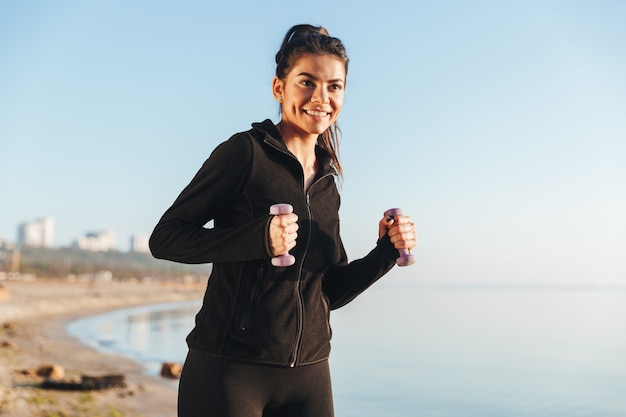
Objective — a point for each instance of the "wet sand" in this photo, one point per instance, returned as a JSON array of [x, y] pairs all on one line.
[[33, 316]]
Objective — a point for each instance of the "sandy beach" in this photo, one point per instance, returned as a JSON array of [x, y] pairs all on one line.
[[33, 316]]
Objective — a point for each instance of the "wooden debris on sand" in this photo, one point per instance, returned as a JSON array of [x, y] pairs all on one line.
[[86, 383]]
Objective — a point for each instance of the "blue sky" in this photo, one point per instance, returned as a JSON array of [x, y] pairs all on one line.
[[499, 126]]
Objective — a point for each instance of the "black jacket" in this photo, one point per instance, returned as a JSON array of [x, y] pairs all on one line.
[[253, 311]]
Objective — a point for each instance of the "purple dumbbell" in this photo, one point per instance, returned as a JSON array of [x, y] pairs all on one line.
[[285, 259], [405, 258]]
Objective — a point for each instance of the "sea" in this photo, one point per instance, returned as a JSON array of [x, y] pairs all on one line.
[[436, 351]]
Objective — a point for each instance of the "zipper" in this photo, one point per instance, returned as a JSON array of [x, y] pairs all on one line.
[[299, 298]]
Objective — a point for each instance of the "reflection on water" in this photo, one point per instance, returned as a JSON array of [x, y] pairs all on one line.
[[150, 335], [437, 352]]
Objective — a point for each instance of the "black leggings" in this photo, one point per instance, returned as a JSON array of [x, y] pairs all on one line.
[[213, 387]]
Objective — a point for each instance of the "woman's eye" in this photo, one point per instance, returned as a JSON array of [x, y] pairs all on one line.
[[336, 87], [307, 83]]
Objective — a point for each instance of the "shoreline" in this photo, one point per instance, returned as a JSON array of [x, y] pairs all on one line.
[[33, 324]]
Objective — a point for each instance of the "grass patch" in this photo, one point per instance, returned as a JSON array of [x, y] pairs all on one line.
[[43, 400], [115, 413], [86, 398], [55, 414]]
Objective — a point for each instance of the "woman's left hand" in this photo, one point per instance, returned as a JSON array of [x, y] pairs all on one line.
[[401, 231]]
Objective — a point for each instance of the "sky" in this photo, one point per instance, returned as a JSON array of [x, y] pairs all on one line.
[[498, 126]]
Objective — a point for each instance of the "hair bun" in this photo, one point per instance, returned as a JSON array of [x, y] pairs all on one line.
[[299, 31], [304, 30]]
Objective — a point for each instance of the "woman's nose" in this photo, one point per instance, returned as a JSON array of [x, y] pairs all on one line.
[[320, 95]]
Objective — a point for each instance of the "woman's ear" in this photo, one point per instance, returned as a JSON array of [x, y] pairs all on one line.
[[277, 89]]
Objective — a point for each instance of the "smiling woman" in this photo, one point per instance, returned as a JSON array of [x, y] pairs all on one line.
[[311, 98], [311, 75], [261, 341]]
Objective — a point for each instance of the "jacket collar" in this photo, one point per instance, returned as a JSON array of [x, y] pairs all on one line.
[[270, 134]]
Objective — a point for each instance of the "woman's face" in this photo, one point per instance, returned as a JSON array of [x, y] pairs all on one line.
[[311, 94]]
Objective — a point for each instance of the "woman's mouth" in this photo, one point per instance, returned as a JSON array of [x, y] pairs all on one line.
[[317, 113]]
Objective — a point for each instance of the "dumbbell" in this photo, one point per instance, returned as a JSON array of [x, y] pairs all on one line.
[[405, 258], [285, 259]]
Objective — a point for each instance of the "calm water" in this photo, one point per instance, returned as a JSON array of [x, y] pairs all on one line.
[[426, 352]]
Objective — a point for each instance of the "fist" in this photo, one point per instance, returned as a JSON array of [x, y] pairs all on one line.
[[401, 231], [283, 233]]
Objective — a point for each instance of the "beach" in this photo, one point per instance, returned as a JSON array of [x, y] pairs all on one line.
[[33, 319]]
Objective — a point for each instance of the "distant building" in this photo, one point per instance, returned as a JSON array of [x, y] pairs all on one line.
[[139, 243], [98, 241], [38, 233]]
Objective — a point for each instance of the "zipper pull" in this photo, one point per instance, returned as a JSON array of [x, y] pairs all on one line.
[[308, 200]]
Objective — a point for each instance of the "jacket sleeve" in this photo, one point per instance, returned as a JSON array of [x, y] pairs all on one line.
[[344, 282], [181, 235]]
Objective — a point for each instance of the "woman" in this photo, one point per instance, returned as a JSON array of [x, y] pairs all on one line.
[[262, 337]]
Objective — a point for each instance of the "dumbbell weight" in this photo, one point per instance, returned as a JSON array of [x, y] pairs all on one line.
[[405, 258], [285, 259]]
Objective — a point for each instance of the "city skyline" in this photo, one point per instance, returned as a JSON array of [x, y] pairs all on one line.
[[95, 240]]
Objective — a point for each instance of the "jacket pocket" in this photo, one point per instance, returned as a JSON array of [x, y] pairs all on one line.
[[327, 313], [255, 295]]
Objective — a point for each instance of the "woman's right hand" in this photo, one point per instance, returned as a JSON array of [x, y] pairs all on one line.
[[283, 233], [401, 231]]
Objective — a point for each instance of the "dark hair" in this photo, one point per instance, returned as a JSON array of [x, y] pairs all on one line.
[[307, 39]]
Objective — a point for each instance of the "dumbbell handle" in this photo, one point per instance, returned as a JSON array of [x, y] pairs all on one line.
[[405, 258], [285, 259]]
